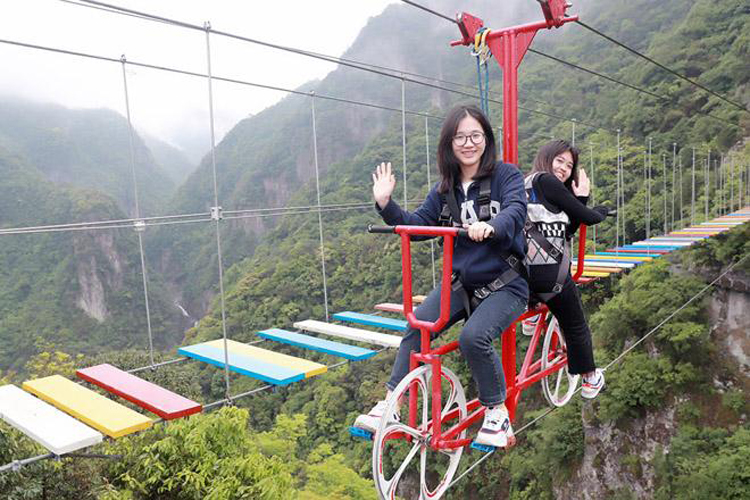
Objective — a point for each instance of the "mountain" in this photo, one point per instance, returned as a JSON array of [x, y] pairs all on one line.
[[87, 148], [673, 421], [78, 290], [172, 161]]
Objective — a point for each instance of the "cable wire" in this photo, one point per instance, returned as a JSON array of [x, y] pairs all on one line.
[[660, 65], [362, 66], [433, 12]]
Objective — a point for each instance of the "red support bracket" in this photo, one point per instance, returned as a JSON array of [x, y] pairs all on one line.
[[508, 46]]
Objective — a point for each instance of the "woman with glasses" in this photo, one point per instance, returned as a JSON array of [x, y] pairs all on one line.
[[487, 197], [557, 193]]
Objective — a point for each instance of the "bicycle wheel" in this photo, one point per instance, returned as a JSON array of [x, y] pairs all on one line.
[[558, 387], [393, 456]]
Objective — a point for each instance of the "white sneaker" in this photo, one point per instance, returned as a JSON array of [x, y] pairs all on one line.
[[496, 429], [371, 421], [529, 325], [592, 384]]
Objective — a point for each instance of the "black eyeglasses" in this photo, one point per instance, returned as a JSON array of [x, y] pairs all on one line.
[[476, 139]]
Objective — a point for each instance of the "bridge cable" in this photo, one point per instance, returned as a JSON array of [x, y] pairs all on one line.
[[429, 186], [357, 65], [572, 65], [216, 214], [139, 227], [660, 65], [320, 214]]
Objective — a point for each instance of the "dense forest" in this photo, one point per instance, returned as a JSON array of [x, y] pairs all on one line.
[[673, 421]]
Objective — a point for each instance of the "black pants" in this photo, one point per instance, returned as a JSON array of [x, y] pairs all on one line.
[[568, 309]]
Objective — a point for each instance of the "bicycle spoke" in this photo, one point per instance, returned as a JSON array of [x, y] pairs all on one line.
[[390, 485]]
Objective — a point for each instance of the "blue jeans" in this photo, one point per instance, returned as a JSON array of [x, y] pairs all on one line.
[[496, 313]]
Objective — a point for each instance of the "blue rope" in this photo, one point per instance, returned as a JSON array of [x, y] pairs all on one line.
[[484, 93]]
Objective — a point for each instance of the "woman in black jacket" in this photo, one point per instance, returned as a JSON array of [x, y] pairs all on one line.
[[557, 192]]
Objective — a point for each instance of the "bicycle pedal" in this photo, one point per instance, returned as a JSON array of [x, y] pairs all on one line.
[[482, 447], [358, 433]]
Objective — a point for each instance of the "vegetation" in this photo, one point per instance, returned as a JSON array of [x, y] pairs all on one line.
[[293, 443]]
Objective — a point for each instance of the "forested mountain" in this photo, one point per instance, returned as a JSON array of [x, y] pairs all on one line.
[[85, 148], [78, 290], [673, 423], [171, 160]]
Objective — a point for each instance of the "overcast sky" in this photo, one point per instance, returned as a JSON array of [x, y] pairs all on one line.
[[171, 107]]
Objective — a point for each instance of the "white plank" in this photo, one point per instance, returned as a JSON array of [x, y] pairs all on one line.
[[45, 424], [600, 263], [347, 332], [663, 243]]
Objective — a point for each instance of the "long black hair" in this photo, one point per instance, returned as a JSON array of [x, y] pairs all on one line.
[[548, 153], [448, 164]]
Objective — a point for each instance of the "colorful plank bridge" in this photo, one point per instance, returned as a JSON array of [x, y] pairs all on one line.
[[65, 416], [619, 259]]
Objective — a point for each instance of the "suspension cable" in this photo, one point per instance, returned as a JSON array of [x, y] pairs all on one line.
[[344, 62], [660, 65], [138, 228], [429, 186], [589, 71], [216, 209], [320, 215]]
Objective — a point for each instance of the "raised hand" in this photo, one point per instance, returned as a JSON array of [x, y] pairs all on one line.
[[581, 186], [383, 184]]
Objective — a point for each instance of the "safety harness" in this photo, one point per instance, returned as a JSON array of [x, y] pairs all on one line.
[[451, 213], [536, 241]]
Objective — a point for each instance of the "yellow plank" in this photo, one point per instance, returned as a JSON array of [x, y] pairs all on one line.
[[622, 256], [601, 269], [595, 274], [419, 298], [309, 368], [101, 413]]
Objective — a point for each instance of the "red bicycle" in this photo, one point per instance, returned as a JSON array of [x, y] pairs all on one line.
[[438, 413]]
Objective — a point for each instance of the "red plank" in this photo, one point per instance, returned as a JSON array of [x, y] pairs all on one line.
[[153, 398], [643, 251], [390, 307]]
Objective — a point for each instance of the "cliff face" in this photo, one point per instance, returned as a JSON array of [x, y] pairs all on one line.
[[99, 270], [625, 458], [619, 459]]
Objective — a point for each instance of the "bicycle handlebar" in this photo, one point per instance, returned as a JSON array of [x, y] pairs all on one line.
[[419, 230]]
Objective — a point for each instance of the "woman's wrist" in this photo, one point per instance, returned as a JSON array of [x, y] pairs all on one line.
[[383, 202]]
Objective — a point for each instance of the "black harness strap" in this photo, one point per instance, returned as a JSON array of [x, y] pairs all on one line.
[[562, 258], [451, 215]]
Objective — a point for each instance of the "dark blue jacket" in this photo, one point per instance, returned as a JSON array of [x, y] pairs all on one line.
[[478, 263]]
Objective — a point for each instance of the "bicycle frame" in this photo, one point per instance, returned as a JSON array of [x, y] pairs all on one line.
[[531, 370]]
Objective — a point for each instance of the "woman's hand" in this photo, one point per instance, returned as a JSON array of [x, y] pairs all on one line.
[[479, 231], [581, 186], [383, 184]]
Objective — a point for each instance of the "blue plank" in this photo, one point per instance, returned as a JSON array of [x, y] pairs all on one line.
[[398, 325], [321, 345], [652, 247], [273, 374]]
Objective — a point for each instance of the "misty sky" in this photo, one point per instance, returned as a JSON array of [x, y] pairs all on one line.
[[173, 108]]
